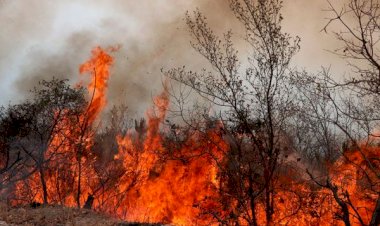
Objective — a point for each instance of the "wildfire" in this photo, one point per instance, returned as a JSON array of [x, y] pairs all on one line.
[[163, 190], [98, 67], [146, 182], [68, 161]]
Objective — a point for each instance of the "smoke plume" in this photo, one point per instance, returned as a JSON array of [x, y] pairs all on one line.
[[41, 39]]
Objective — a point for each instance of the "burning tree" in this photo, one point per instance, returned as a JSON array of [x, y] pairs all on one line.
[[272, 115], [255, 106], [41, 128], [54, 134], [272, 145], [345, 115]]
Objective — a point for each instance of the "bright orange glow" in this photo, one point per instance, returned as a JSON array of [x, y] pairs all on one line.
[[71, 145], [153, 178], [167, 190], [354, 174], [98, 67]]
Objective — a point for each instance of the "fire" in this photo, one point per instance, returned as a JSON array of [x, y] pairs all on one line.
[[154, 178], [164, 190], [70, 146], [98, 67], [354, 173]]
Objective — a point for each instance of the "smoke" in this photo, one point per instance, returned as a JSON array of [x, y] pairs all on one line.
[[54, 39], [42, 39]]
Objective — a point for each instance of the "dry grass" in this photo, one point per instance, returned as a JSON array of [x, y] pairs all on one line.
[[55, 216]]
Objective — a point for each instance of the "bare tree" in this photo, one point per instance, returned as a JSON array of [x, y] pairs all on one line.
[[349, 109], [255, 105]]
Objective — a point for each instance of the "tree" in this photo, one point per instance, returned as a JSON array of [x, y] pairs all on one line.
[[349, 109], [9, 128], [42, 126], [255, 105]]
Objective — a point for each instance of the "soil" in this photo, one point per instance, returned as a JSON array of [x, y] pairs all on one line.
[[57, 216]]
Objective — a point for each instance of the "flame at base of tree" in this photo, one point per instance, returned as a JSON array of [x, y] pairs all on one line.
[[357, 181], [147, 182], [70, 146]]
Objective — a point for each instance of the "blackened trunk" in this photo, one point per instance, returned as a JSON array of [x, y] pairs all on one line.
[[89, 202], [79, 182], [376, 214], [268, 206], [268, 196], [252, 201], [345, 212], [44, 187]]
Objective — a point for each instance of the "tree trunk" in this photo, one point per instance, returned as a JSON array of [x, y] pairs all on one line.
[[268, 196], [79, 182], [252, 201], [342, 204], [376, 214], [43, 183], [268, 208], [89, 202]]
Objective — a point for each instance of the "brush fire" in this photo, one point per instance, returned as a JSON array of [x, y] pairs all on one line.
[[268, 145], [150, 179]]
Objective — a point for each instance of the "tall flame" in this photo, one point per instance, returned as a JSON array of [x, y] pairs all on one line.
[[148, 183], [98, 67], [167, 190], [71, 143]]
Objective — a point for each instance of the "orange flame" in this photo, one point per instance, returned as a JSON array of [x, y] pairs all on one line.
[[72, 144], [151, 184], [167, 190], [98, 67]]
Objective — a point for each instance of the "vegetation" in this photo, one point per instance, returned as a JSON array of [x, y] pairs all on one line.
[[272, 145]]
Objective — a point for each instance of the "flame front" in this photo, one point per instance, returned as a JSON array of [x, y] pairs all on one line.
[[146, 182]]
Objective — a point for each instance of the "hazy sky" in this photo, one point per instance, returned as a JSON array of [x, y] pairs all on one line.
[[44, 38]]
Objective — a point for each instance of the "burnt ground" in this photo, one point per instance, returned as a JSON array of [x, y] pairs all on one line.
[[57, 216]]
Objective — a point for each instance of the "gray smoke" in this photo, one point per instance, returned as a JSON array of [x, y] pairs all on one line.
[[41, 39]]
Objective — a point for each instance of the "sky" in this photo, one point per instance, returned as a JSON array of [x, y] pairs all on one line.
[[40, 39]]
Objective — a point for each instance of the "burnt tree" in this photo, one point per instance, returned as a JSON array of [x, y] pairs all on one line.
[[255, 103]]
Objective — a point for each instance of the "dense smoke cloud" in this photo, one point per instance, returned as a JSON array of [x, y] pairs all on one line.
[[41, 39]]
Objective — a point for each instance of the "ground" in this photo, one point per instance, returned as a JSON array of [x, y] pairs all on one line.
[[56, 216]]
